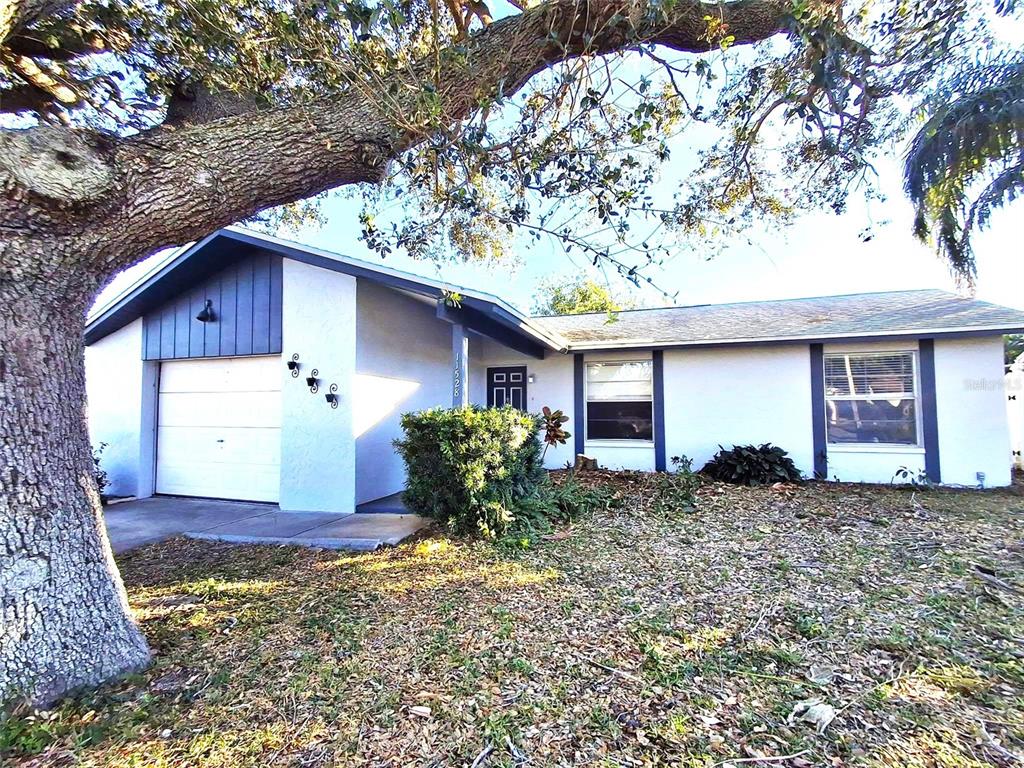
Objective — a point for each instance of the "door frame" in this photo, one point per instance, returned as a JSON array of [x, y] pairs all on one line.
[[500, 378]]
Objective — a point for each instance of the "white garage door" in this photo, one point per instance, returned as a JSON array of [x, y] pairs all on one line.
[[219, 428]]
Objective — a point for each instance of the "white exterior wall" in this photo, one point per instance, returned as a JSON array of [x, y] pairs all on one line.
[[1014, 385], [403, 363], [317, 445], [876, 463], [970, 400], [552, 386], [741, 396], [121, 392]]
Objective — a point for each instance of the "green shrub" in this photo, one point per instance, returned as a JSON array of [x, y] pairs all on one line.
[[677, 490], [477, 470], [752, 465]]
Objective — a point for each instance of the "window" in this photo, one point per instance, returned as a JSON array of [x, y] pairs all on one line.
[[619, 403], [872, 398]]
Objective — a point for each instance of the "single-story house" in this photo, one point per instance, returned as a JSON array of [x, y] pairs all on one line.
[[249, 367]]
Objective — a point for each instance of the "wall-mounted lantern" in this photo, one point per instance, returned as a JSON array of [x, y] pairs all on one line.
[[312, 382], [206, 314], [531, 378], [331, 397], [293, 365]]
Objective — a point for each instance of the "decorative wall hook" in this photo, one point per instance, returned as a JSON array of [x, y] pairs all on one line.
[[293, 365], [312, 381], [331, 397], [206, 314]]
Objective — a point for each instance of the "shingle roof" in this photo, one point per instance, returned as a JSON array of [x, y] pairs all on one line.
[[861, 314]]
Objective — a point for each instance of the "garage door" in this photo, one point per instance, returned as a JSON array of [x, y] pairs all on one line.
[[219, 428]]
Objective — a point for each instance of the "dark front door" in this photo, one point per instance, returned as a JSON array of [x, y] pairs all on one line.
[[507, 386]]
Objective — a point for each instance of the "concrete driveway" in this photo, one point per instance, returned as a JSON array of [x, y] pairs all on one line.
[[143, 521]]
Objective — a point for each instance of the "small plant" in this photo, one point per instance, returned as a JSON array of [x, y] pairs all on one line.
[[752, 465], [98, 473], [552, 422], [677, 490], [917, 478]]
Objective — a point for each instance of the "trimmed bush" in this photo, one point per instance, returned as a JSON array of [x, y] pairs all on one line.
[[752, 465], [477, 470]]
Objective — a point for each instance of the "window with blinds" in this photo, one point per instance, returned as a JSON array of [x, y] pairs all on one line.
[[620, 401], [872, 398]]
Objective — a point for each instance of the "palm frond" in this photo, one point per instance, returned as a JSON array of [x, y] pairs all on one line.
[[1006, 187], [975, 123], [967, 132]]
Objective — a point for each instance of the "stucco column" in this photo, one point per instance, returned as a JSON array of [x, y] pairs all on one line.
[[460, 366], [317, 441]]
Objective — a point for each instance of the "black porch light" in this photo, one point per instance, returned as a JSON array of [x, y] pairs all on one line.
[[206, 314]]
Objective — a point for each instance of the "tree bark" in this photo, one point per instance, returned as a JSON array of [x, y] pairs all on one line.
[[63, 610], [77, 207]]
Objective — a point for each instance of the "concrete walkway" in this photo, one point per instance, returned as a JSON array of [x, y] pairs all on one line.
[[143, 521]]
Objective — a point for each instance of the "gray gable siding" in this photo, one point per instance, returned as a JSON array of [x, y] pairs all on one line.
[[246, 300]]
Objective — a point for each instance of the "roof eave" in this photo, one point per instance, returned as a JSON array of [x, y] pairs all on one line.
[[905, 333]]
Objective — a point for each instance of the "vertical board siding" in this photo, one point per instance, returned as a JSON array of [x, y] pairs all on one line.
[[658, 361], [196, 329], [579, 406], [151, 338], [166, 343], [243, 333], [261, 304], [276, 283], [229, 310], [818, 411], [247, 307], [929, 410], [182, 321]]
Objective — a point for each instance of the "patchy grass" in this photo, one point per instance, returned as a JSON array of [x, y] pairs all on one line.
[[637, 637]]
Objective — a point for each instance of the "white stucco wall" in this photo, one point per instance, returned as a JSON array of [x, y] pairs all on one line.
[[971, 404], [121, 393], [317, 445], [740, 396], [403, 363], [1014, 386]]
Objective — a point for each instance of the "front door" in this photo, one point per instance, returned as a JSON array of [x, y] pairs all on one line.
[[507, 386]]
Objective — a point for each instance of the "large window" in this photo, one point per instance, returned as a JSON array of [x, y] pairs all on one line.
[[872, 398], [619, 403]]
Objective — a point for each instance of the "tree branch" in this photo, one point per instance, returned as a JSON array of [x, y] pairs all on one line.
[[15, 15], [178, 183]]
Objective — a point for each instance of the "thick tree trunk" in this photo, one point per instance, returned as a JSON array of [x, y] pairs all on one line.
[[64, 616]]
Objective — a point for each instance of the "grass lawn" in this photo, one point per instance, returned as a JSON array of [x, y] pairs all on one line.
[[632, 638]]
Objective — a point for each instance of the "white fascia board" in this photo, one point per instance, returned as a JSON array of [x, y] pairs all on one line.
[[647, 343]]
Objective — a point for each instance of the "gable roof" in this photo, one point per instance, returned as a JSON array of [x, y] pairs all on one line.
[[197, 261], [823, 318], [859, 315]]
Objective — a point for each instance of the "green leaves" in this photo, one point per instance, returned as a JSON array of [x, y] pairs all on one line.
[[752, 465], [471, 468]]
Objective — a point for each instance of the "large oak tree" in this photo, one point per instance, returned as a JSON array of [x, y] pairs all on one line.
[[127, 126]]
